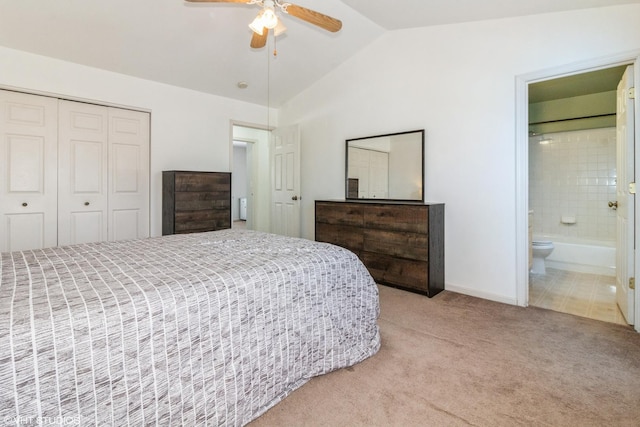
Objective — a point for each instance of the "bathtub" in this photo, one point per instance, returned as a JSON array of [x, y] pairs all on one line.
[[584, 256]]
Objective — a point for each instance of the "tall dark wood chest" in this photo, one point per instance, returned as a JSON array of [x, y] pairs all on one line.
[[195, 201], [401, 244]]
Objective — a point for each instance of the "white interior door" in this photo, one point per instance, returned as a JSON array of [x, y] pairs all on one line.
[[625, 296], [28, 165], [82, 173], [285, 182], [128, 201]]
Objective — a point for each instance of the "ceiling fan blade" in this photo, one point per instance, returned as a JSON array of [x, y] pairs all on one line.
[[219, 1], [258, 41], [315, 18]]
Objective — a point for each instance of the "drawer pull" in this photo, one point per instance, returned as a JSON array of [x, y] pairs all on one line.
[[25, 204]]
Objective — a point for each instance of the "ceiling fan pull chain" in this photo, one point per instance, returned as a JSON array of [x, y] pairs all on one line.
[[275, 48]]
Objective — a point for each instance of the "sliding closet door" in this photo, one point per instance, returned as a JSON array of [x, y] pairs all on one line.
[[71, 172], [103, 173], [82, 173], [28, 171], [128, 174]]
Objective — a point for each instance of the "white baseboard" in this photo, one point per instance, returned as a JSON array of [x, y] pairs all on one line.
[[480, 294]]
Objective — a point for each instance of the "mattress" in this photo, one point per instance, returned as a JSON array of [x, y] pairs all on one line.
[[197, 329]]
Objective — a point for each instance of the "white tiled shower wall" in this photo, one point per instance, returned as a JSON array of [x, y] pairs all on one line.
[[575, 176]]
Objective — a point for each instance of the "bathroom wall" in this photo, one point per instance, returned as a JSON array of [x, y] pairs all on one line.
[[574, 175]]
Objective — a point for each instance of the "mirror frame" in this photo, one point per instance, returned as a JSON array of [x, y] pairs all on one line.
[[346, 166]]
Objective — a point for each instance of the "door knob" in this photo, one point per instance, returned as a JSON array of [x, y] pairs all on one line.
[[613, 205], [294, 198]]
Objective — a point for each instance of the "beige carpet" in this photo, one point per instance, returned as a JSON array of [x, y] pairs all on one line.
[[455, 360]]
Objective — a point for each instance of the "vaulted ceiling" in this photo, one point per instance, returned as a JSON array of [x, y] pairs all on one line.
[[205, 46]]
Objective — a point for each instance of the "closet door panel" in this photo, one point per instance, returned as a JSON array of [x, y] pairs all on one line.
[[86, 227], [82, 173], [25, 231], [126, 159], [126, 223], [28, 177], [25, 164], [128, 174], [87, 161]]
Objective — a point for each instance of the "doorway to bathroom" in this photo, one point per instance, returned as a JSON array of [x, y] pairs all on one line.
[[573, 167]]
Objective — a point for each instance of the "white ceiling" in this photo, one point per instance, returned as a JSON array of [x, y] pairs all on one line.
[[205, 46], [398, 14]]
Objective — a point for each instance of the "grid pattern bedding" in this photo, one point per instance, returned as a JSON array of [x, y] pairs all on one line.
[[198, 329]]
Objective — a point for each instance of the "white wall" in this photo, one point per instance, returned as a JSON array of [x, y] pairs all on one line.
[[458, 82], [189, 130]]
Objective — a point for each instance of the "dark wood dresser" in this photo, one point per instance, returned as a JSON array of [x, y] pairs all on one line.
[[195, 201], [401, 244]]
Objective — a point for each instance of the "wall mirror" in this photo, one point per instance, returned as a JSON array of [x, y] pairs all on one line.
[[386, 167]]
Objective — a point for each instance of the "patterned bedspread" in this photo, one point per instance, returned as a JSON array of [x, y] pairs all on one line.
[[199, 329]]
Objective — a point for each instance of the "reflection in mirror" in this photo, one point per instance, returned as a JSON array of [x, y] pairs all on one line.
[[386, 167]]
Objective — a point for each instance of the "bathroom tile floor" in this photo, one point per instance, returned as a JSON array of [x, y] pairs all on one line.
[[581, 294]]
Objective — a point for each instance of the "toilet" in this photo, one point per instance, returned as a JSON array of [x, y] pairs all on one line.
[[541, 250]]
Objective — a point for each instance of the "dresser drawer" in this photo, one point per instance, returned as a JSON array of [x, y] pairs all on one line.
[[340, 235], [397, 243], [393, 271], [201, 219], [201, 182], [190, 201], [398, 218], [348, 214]]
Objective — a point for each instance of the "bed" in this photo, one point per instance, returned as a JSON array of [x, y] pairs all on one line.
[[196, 329]]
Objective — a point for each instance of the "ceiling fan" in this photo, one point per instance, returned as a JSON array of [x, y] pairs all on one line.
[[268, 20]]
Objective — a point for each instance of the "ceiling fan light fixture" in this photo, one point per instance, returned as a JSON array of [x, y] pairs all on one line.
[[257, 26], [280, 28], [269, 18]]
